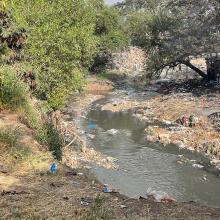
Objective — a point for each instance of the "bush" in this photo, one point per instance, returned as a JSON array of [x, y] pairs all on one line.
[[50, 136], [13, 93], [9, 137]]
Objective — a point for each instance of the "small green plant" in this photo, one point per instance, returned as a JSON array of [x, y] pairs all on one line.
[[13, 92], [102, 76], [50, 136], [10, 137]]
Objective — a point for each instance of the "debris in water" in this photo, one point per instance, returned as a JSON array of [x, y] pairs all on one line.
[[91, 136], [205, 178], [199, 166], [91, 125], [160, 196], [112, 131]]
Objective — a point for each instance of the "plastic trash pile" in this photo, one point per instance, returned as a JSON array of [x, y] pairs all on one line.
[[160, 196]]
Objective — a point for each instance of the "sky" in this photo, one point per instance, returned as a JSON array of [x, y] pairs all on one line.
[[110, 2]]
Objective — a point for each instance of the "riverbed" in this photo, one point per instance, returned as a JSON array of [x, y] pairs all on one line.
[[146, 166]]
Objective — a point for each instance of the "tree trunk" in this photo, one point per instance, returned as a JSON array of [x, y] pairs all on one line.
[[197, 70]]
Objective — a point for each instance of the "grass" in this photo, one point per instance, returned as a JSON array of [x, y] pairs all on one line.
[[98, 211], [15, 153], [48, 135], [107, 76]]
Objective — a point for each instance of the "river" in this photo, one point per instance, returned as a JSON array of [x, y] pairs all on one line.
[[146, 166]]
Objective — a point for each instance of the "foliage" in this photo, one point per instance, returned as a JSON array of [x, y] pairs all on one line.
[[109, 30], [64, 37], [174, 31], [10, 137], [48, 135], [136, 27], [13, 92]]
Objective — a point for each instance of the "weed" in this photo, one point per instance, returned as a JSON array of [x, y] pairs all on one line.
[[98, 210], [50, 136]]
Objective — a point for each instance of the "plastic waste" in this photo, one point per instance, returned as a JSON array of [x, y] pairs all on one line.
[[53, 168], [160, 196], [106, 189], [91, 125], [112, 131], [197, 166]]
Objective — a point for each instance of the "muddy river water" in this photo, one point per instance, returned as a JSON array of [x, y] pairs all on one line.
[[145, 166]]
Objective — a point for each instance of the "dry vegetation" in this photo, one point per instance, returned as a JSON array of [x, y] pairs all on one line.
[[167, 109]]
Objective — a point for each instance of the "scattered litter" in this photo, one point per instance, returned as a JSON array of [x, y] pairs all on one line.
[[11, 193], [106, 189], [91, 136], [123, 206], [66, 198], [80, 174], [91, 125], [57, 185], [71, 173], [112, 131], [205, 178], [167, 122], [199, 166], [160, 196], [53, 168], [85, 201], [180, 162]]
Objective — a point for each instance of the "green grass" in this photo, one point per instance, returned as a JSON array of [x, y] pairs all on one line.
[[13, 93]]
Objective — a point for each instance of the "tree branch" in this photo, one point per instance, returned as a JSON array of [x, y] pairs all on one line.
[[197, 70]]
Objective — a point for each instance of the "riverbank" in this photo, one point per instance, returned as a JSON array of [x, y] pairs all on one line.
[[164, 112], [72, 193]]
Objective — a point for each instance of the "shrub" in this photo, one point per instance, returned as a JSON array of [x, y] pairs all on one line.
[[10, 137], [13, 93], [50, 136]]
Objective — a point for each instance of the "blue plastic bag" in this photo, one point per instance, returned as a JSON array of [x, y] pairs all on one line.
[[91, 125], [53, 168]]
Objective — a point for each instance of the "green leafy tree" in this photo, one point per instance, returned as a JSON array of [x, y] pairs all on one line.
[[64, 37], [61, 41], [176, 31]]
